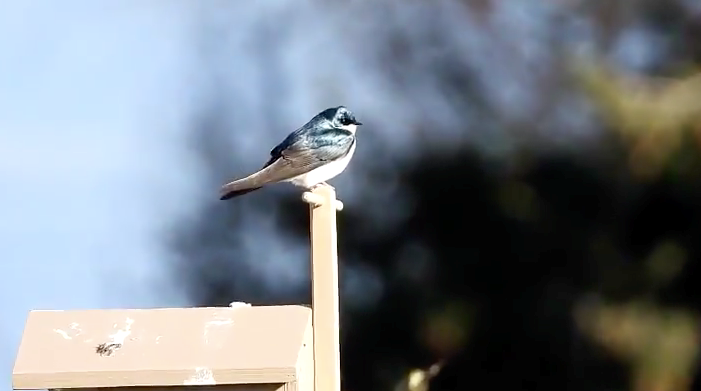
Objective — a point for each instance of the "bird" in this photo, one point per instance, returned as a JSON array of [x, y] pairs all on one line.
[[308, 157]]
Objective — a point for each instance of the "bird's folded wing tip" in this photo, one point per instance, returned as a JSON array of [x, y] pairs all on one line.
[[224, 193]]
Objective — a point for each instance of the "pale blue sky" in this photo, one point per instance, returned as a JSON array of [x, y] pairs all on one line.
[[91, 100]]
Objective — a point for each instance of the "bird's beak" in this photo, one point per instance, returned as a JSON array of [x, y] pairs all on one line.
[[358, 123]]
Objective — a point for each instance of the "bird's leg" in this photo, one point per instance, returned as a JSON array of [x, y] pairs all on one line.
[[318, 185]]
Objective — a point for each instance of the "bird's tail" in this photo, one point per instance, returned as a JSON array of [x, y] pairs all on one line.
[[240, 187], [244, 185], [230, 190], [270, 173]]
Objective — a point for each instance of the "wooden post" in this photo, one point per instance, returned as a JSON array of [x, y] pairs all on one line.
[[325, 307]]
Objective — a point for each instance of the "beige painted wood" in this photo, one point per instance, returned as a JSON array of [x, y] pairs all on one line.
[[231, 387], [166, 347], [325, 307]]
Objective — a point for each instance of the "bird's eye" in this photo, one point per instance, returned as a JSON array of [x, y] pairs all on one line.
[[346, 120]]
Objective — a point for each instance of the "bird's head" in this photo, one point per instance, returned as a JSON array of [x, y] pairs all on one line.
[[342, 118]]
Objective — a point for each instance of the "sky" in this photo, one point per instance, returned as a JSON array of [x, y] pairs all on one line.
[[91, 102], [97, 101]]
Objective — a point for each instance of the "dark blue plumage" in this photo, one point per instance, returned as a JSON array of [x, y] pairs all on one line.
[[323, 143], [327, 139]]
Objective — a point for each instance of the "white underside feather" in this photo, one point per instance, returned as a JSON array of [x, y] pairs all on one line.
[[323, 173]]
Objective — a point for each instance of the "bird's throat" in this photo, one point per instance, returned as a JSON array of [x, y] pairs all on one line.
[[351, 128]]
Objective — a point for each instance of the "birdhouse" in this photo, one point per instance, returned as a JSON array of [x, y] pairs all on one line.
[[230, 348]]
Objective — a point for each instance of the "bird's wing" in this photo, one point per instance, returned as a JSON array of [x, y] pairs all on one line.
[[294, 158], [302, 157]]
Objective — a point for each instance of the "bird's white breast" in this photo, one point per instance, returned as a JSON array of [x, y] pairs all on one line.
[[325, 172]]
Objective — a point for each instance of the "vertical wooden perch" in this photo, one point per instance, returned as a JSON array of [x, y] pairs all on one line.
[[325, 308]]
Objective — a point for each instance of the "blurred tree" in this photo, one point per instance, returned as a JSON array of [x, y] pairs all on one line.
[[515, 247]]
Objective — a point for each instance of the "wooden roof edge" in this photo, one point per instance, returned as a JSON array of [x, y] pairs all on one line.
[[151, 378], [116, 309]]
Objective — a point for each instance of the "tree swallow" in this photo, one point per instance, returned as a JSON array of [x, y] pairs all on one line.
[[318, 151]]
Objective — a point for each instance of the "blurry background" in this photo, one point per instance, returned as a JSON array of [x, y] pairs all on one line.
[[523, 210]]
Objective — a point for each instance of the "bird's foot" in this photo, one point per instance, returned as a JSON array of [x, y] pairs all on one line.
[[315, 199], [319, 185]]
